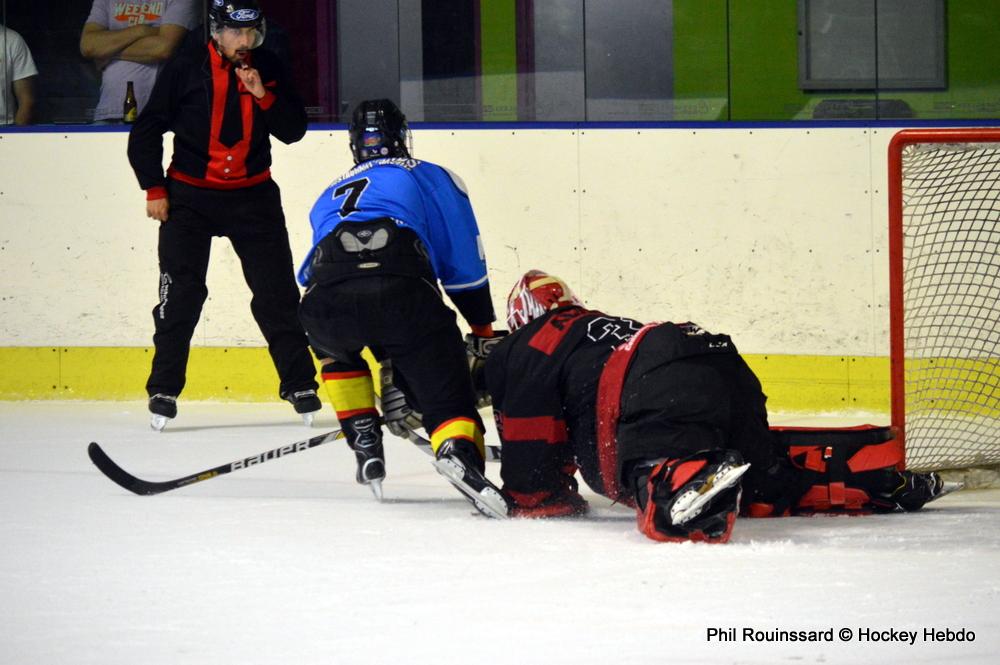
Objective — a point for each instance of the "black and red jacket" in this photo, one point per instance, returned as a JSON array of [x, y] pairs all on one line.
[[221, 131], [579, 388], [543, 381]]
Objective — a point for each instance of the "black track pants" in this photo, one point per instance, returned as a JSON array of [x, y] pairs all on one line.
[[253, 221]]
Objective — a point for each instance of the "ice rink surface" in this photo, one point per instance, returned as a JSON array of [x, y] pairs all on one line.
[[293, 563]]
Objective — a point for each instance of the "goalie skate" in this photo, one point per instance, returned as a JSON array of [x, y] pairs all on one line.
[[695, 495], [913, 491]]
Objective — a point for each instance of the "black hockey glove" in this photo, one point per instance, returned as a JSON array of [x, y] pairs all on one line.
[[399, 416], [477, 349]]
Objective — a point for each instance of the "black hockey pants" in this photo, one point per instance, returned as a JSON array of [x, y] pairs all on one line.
[[705, 402], [403, 319], [253, 221]]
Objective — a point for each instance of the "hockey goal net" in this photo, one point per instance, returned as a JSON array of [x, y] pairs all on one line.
[[944, 253]]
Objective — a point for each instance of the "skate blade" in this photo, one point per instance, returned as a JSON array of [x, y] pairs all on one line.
[[689, 504], [947, 487], [487, 501], [307, 418], [376, 487], [157, 422]]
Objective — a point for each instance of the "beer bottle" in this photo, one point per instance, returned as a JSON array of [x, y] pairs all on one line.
[[130, 109]]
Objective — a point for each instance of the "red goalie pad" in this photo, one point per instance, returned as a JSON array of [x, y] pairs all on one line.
[[846, 470]]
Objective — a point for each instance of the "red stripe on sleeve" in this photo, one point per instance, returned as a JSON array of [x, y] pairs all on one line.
[[353, 374], [266, 101], [544, 428]]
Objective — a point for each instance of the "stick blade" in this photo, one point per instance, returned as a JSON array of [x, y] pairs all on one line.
[[119, 475]]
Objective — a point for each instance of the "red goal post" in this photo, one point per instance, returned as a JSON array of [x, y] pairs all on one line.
[[944, 295]]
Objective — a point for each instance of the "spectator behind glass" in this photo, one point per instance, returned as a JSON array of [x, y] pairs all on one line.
[[17, 79], [127, 42]]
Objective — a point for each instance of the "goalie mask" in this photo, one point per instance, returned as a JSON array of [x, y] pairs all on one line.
[[534, 294], [378, 129], [236, 15]]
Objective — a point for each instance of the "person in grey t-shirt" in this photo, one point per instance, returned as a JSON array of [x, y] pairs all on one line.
[[128, 41]]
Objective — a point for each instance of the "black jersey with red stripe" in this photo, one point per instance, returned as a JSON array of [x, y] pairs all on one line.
[[221, 131], [543, 382]]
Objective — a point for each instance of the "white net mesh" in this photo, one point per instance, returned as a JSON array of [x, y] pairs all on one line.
[[951, 304]]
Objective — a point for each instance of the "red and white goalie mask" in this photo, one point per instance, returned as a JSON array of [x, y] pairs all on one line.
[[534, 294]]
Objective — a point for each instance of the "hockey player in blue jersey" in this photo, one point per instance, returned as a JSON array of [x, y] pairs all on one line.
[[385, 235]]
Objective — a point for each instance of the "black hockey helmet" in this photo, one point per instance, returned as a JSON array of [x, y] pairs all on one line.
[[378, 129], [238, 14]]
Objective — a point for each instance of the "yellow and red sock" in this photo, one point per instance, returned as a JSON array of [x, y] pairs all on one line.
[[351, 392], [458, 428]]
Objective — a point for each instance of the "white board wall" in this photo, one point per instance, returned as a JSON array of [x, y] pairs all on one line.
[[776, 236]]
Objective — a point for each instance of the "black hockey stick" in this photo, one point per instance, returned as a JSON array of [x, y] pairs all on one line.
[[147, 487]]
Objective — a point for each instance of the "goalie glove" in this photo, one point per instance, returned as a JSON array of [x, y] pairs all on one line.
[[399, 416], [477, 349]]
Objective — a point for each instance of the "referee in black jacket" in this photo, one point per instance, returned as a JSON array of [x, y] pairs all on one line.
[[222, 101]]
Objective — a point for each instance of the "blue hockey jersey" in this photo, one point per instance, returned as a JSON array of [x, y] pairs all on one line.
[[418, 195]]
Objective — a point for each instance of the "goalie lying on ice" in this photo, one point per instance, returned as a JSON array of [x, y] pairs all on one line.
[[667, 418]]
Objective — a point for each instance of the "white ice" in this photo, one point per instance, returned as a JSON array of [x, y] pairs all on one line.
[[292, 562]]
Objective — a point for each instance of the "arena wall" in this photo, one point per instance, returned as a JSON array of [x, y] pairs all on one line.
[[774, 235]]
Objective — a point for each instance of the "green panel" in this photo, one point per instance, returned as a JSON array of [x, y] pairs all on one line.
[[498, 36], [764, 55], [701, 68], [973, 65]]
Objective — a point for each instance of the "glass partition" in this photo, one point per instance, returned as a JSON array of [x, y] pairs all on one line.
[[563, 60]]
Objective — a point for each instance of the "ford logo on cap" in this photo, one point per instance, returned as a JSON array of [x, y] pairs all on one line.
[[245, 15]]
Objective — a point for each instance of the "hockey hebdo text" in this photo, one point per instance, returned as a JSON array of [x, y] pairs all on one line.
[[862, 634]]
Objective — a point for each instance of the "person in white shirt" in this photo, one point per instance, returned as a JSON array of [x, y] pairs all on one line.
[[17, 79]]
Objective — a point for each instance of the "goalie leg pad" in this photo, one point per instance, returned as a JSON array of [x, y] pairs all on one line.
[[855, 470]]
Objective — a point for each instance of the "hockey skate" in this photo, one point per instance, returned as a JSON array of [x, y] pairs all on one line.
[[162, 408], [306, 404], [462, 465], [694, 498], [364, 436], [908, 491]]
